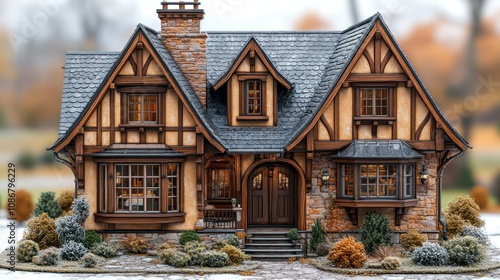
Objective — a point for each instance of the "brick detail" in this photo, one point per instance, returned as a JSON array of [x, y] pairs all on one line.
[[182, 37]]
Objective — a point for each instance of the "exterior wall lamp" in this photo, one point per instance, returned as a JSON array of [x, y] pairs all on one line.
[[325, 177], [424, 175]]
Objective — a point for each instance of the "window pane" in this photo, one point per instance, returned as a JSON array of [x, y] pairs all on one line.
[[220, 184], [137, 188], [172, 188], [253, 97], [378, 181], [408, 180], [374, 101], [348, 180]]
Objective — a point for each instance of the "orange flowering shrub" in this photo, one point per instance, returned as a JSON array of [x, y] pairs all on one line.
[[347, 253]]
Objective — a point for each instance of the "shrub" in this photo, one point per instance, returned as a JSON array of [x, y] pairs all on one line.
[[65, 200], [481, 196], [163, 246], [24, 205], [68, 229], [454, 224], [235, 255], [383, 252], [391, 263], [49, 256], [104, 249], [232, 240], [27, 160], [47, 204], [465, 250], [91, 238], [188, 236], [293, 234], [411, 240], [26, 250], [430, 254], [467, 209], [179, 259], [90, 260], [347, 253], [135, 245], [166, 254], [323, 249], [73, 251], [317, 235], [194, 249], [477, 233], [214, 259], [375, 231], [42, 230], [81, 209]]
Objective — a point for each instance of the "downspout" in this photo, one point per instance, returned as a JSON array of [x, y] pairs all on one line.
[[68, 164], [442, 167]]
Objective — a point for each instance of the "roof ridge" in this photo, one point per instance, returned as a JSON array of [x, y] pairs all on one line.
[[143, 26], [91, 52], [369, 19], [277, 32]]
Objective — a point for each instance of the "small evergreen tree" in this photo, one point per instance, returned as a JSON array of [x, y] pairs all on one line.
[[47, 203], [317, 235], [375, 231], [80, 209]]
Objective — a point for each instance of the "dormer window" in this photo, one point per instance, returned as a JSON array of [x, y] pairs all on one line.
[[253, 97], [142, 108]]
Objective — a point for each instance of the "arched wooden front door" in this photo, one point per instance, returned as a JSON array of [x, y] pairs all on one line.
[[272, 198]]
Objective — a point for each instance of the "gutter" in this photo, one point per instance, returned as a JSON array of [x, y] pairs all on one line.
[[442, 167]]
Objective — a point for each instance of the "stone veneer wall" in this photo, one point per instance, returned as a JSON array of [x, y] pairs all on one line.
[[422, 217], [155, 239]]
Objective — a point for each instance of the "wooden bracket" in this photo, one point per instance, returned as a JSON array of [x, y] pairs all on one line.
[[399, 215]]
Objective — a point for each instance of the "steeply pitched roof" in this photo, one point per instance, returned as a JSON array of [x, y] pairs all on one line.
[[378, 149], [311, 61]]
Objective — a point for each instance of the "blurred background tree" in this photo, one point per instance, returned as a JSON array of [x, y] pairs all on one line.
[[24, 205]]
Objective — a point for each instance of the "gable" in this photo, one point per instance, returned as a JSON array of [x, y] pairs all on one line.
[[379, 60], [139, 66]]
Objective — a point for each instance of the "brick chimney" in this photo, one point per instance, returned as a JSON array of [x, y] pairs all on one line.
[[180, 31]]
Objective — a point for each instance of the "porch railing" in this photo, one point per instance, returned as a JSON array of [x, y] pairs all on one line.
[[220, 219]]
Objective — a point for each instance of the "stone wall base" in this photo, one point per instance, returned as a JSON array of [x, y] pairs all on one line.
[[395, 239]]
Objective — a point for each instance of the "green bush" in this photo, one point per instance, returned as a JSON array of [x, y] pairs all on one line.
[[214, 259], [391, 263], [465, 250], [27, 160], [235, 255], [293, 234], [104, 249], [323, 249], [347, 253], [47, 203], [188, 236], [194, 249], [179, 259], [42, 230], [73, 251], [430, 254], [411, 240], [68, 229], [232, 240], [477, 233], [91, 238], [135, 245], [317, 235], [49, 256], [375, 231], [90, 260], [26, 250], [467, 209]]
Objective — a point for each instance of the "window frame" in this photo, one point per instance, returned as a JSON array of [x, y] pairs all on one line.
[[142, 107], [243, 80], [130, 178], [211, 181], [247, 97], [391, 108], [400, 180]]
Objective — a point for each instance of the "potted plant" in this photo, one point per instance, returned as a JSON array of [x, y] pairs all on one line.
[[233, 201], [294, 235]]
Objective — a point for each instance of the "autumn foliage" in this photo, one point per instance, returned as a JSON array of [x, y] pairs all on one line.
[[347, 253]]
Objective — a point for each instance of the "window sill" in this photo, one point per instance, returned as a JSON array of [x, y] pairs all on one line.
[[252, 118], [139, 218], [375, 203]]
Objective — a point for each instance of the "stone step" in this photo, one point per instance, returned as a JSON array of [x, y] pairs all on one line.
[[275, 257], [269, 239], [271, 251], [269, 245]]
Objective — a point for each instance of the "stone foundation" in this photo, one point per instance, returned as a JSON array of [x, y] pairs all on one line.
[[155, 239]]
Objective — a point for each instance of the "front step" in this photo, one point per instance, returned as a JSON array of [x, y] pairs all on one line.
[[271, 245]]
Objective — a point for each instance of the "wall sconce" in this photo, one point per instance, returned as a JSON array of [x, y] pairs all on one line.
[[424, 175], [325, 177]]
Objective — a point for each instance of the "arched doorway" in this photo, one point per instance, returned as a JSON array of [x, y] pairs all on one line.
[[272, 196]]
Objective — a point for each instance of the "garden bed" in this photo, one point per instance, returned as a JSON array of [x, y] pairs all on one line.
[[127, 264], [407, 268]]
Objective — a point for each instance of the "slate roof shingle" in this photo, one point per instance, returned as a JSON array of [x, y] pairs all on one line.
[[377, 149]]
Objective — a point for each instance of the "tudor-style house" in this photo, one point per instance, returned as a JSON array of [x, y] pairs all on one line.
[[164, 134]]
